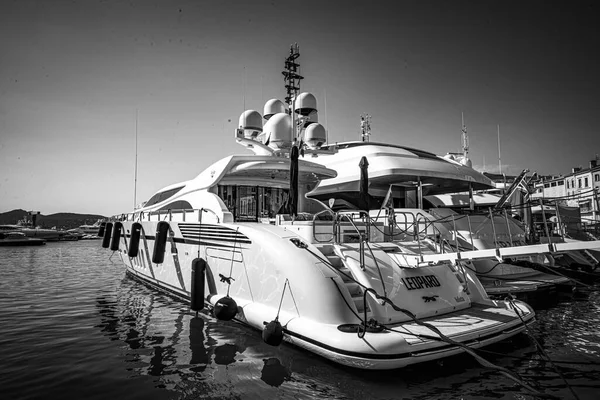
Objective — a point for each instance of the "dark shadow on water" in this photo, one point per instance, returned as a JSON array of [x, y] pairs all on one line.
[[274, 373], [200, 357], [225, 354]]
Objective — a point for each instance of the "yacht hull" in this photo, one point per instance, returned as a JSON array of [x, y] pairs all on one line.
[[315, 310]]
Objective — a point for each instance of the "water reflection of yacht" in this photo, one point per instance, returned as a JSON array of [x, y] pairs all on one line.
[[244, 238]]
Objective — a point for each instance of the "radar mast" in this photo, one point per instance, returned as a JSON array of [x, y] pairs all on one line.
[[365, 127], [292, 84], [465, 138]]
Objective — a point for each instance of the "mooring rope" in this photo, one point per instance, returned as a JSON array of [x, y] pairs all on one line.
[[510, 299]]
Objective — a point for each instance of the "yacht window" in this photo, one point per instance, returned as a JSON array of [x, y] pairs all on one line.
[[161, 196], [177, 205], [246, 203], [253, 203]]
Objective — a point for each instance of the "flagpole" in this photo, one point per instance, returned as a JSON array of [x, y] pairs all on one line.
[[136, 161], [499, 159]]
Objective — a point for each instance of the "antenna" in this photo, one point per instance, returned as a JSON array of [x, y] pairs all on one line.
[[292, 82], [244, 83], [465, 138], [365, 127], [136, 157], [290, 75], [499, 159], [326, 124]]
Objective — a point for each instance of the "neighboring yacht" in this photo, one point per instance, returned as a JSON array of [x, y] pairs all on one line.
[[18, 239], [243, 238], [87, 231], [525, 275], [27, 226], [400, 182]]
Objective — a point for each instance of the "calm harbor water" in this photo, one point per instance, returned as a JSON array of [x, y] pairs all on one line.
[[73, 326]]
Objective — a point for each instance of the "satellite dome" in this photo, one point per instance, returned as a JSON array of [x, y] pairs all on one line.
[[312, 118], [273, 106], [305, 104], [278, 131], [467, 162], [449, 156], [251, 123], [315, 136]]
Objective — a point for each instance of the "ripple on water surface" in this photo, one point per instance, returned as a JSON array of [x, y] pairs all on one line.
[[73, 326]]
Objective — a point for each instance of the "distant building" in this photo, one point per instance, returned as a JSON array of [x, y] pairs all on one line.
[[580, 188]]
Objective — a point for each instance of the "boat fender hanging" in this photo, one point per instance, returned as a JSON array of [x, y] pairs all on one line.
[[101, 229], [197, 289], [134, 241], [160, 243], [107, 232], [225, 309], [272, 333], [116, 236]]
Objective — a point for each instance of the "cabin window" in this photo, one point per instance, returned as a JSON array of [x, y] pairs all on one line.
[[177, 205], [252, 203], [246, 203], [161, 196]]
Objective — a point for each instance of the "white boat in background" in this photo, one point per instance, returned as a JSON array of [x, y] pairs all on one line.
[[244, 239], [18, 239], [407, 181], [87, 231], [521, 275], [507, 228], [90, 229], [49, 235]]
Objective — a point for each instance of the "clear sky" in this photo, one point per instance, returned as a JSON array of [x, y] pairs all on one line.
[[73, 74]]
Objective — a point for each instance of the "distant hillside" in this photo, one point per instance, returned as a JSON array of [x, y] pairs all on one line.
[[59, 220]]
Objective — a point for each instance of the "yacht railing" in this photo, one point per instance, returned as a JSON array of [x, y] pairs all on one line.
[[349, 216], [418, 225], [187, 215]]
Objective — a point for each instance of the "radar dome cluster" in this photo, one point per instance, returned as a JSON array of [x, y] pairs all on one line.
[[275, 127]]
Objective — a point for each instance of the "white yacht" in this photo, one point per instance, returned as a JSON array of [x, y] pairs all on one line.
[[406, 182], [245, 239]]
